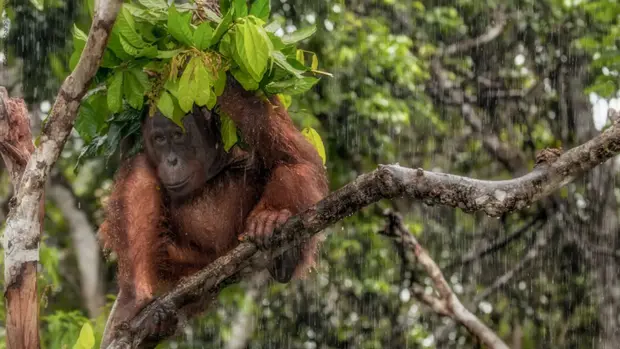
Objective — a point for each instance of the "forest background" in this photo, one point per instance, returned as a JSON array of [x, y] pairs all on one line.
[[455, 86]]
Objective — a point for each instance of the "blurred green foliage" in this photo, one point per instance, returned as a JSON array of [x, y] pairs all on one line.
[[377, 109]]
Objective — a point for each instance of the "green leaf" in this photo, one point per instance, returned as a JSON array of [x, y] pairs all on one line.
[[173, 87], [228, 131], [153, 4], [79, 41], [79, 36], [186, 93], [252, 48], [212, 101], [127, 28], [128, 48], [272, 27], [178, 26], [202, 85], [315, 62], [220, 83], [261, 9], [165, 104], [115, 92], [91, 117], [86, 340], [148, 52], [110, 60], [248, 83], [167, 54], [222, 28], [115, 45], [203, 36], [282, 62], [225, 5], [226, 48], [285, 99], [292, 86], [300, 56], [240, 8], [315, 139], [299, 35], [134, 86]]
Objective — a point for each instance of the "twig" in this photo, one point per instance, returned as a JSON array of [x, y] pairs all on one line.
[[389, 181], [445, 303], [498, 244], [491, 34]]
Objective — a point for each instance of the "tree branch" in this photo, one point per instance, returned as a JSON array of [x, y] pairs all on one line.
[[388, 181], [22, 233], [446, 303], [491, 34]]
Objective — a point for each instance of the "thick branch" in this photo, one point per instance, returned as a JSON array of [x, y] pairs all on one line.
[[389, 181], [22, 222], [23, 228], [446, 303]]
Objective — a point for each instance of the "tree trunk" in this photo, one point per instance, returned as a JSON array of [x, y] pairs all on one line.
[[602, 226]]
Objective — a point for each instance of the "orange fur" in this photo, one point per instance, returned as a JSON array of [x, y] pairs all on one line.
[[157, 242]]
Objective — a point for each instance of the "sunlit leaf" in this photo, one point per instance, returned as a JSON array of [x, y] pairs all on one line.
[[165, 104], [86, 340], [252, 49], [178, 26], [186, 92], [300, 56], [202, 85], [285, 99], [240, 8], [315, 62], [315, 139], [203, 36], [220, 83], [247, 82]]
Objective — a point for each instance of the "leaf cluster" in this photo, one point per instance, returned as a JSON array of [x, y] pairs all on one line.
[[168, 58]]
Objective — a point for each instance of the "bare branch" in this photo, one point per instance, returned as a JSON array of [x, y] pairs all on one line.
[[446, 303], [498, 244], [532, 254], [389, 181], [491, 34]]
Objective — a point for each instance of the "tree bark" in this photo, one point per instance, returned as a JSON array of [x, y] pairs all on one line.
[[23, 225], [492, 197], [22, 312]]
